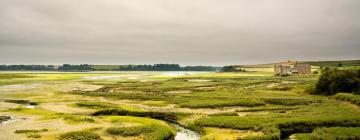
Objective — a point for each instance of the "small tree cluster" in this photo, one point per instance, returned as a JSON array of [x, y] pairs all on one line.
[[333, 81], [232, 69]]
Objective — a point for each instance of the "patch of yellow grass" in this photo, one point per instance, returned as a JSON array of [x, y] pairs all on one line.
[[226, 134]]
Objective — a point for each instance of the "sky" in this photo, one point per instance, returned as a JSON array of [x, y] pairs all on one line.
[[186, 32]]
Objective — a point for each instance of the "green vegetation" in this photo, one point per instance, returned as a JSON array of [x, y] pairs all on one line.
[[235, 122], [150, 132], [290, 102], [30, 131], [4, 118], [232, 69], [34, 136], [266, 108], [140, 105], [332, 133], [129, 131], [167, 116], [221, 103], [224, 114], [80, 135], [95, 105], [333, 81], [354, 99], [23, 102]]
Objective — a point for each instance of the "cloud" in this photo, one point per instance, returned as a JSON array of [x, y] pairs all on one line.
[[188, 32]]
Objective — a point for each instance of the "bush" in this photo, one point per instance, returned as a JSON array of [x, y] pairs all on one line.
[[333, 81], [80, 135]]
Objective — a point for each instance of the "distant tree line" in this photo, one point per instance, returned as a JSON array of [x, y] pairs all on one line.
[[27, 67], [87, 67], [166, 67], [232, 69], [81, 67]]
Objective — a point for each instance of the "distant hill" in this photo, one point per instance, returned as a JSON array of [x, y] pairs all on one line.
[[315, 65], [334, 63]]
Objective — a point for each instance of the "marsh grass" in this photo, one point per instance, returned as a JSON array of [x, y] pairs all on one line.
[[291, 102], [35, 136], [276, 108], [95, 105], [23, 102], [224, 114], [235, 122], [303, 112], [150, 132], [70, 118], [30, 130], [79, 135], [167, 116], [336, 133], [221, 103], [354, 99]]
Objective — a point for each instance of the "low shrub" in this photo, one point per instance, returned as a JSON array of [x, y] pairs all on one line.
[[270, 133], [267, 109], [167, 116], [95, 105], [30, 131], [4, 118], [128, 131], [281, 88], [354, 99], [36, 136], [234, 122], [307, 125], [290, 102], [221, 103], [160, 132], [23, 102], [336, 133], [74, 118], [80, 135], [225, 114], [150, 132]]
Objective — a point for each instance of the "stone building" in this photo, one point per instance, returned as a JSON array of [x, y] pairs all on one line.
[[291, 68]]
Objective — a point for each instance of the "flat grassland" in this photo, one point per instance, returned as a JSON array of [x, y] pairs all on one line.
[[167, 105]]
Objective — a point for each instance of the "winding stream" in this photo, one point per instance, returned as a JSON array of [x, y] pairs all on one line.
[[185, 134]]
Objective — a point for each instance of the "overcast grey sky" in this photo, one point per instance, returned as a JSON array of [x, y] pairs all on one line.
[[188, 32]]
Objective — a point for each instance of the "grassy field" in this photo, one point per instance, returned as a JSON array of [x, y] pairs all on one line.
[[149, 105]]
